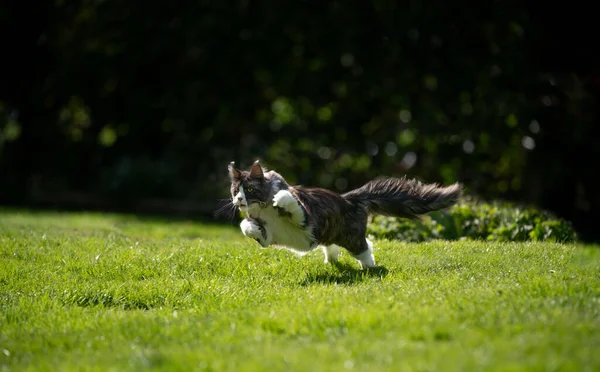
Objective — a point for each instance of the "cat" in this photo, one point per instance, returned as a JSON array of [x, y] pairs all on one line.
[[302, 218]]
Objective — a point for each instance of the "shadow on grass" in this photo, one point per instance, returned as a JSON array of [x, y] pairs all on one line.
[[344, 274]]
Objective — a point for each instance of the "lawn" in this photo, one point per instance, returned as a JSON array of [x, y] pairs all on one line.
[[120, 293]]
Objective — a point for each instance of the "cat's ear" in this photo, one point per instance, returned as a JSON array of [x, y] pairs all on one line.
[[234, 174], [256, 170]]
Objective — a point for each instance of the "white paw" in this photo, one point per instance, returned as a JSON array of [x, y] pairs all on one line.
[[284, 199], [252, 230], [367, 259]]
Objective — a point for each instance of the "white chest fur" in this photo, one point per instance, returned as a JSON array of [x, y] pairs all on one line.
[[282, 231]]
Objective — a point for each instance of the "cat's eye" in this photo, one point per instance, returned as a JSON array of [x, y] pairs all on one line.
[[249, 189]]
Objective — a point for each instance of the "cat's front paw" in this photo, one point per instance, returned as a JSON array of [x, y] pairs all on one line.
[[285, 200], [255, 231]]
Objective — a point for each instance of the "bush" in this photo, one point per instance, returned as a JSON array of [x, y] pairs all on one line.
[[476, 221]]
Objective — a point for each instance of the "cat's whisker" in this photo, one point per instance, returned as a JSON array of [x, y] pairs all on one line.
[[229, 210], [233, 213], [225, 209]]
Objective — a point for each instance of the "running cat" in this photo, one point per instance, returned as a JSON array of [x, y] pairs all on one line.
[[301, 218]]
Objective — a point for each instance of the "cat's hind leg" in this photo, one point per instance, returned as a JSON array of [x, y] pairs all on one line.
[[255, 230], [331, 253], [362, 251], [286, 201]]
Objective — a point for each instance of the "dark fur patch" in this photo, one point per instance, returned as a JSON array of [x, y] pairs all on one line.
[[333, 218]]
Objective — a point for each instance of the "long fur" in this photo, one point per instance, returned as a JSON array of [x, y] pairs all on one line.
[[302, 218], [401, 197]]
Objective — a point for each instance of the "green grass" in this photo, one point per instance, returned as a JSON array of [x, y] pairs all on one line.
[[116, 293]]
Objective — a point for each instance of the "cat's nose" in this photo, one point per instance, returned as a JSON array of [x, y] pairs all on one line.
[[240, 198]]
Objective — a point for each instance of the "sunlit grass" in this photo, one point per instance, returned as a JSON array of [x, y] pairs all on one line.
[[112, 292]]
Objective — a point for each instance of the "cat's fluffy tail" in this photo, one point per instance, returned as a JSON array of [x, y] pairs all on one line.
[[401, 197]]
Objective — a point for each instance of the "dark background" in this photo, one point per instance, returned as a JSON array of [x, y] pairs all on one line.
[[139, 106]]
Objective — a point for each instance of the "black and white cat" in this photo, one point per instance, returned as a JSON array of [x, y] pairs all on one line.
[[301, 219]]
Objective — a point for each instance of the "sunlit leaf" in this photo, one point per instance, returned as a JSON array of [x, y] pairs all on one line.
[[405, 138], [107, 136]]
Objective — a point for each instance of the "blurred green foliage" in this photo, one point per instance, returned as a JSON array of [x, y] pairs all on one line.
[[128, 100], [499, 221]]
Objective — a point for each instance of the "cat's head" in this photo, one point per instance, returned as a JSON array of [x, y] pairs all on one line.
[[248, 186]]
